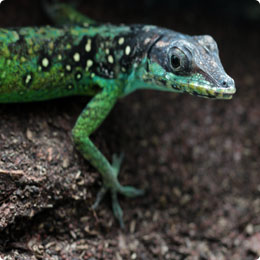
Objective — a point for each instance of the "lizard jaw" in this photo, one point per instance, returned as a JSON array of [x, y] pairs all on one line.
[[207, 90]]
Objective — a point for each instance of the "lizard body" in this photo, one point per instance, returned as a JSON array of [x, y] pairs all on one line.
[[83, 57]]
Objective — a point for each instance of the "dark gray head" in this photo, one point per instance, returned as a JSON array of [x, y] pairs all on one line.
[[182, 63]]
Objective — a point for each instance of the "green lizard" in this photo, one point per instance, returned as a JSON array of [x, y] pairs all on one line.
[[83, 57]]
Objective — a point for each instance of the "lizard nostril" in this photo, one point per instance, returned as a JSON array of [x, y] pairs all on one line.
[[224, 84], [227, 83]]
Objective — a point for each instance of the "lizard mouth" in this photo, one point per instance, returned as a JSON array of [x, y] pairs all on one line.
[[217, 96], [207, 87], [208, 91]]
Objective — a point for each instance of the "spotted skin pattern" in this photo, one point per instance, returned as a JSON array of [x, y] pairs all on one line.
[[83, 57]]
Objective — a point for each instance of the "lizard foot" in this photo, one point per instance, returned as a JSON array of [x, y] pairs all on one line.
[[116, 188]]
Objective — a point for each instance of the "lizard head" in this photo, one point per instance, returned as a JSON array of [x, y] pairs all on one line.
[[182, 63]]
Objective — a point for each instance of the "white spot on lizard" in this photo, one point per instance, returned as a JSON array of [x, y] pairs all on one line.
[[68, 67], [88, 46], [76, 57], [121, 40], [110, 59], [45, 62], [127, 50]]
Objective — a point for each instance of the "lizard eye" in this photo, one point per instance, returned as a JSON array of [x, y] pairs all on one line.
[[179, 62], [175, 61]]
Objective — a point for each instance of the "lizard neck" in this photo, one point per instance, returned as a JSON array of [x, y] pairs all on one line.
[[137, 79]]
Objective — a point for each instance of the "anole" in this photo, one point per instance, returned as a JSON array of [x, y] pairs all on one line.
[[83, 57]]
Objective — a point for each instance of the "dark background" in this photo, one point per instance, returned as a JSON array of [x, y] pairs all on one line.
[[198, 159]]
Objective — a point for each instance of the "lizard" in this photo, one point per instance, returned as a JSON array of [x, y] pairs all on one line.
[[79, 56]]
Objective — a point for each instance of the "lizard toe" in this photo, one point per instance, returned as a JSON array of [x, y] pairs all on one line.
[[116, 162], [102, 192], [130, 191], [118, 212]]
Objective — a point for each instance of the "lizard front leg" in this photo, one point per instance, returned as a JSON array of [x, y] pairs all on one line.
[[91, 117]]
